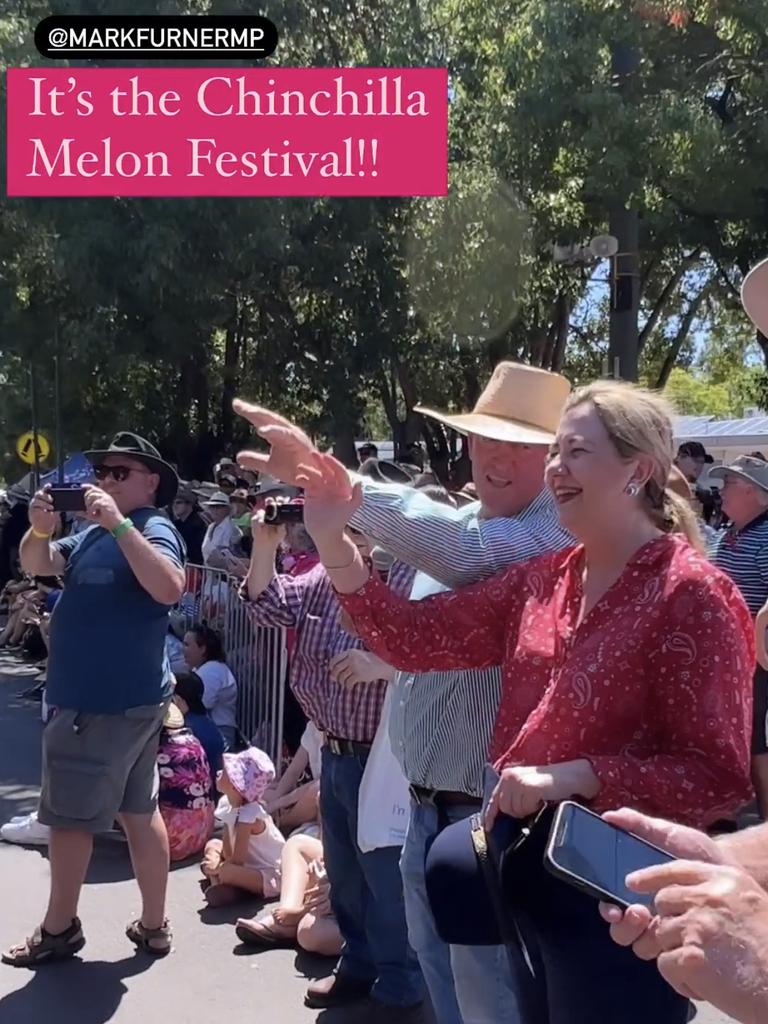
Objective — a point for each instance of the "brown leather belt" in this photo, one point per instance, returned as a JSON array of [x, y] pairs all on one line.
[[443, 797]]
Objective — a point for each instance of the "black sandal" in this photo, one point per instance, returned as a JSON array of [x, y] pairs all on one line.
[[43, 947], [143, 938]]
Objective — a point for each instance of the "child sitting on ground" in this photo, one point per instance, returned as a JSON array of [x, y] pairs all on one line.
[[303, 916], [247, 861], [293, 805]]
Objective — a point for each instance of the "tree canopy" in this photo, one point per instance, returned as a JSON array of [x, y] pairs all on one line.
[[348, 312]]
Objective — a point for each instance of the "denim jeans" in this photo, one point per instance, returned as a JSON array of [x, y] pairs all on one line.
[[467, 984], [366, 892]]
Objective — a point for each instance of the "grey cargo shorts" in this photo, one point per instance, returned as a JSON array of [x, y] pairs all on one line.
[[98, 766]]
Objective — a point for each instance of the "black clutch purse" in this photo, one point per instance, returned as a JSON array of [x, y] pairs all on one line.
[[475, 878]]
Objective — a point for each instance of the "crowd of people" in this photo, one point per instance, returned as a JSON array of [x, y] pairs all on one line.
[[586, 622]]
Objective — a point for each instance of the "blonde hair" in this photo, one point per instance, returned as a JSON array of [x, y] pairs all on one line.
[[639, 422]]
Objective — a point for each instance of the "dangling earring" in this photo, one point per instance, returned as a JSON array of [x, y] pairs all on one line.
[[633, 490]]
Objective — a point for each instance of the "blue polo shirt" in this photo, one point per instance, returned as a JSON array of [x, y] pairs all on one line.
[[107, 635]]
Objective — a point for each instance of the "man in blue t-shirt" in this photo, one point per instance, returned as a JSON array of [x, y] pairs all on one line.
[[110, 684]]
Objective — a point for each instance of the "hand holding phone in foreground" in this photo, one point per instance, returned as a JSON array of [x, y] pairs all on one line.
[[636, 926], [712, 933]]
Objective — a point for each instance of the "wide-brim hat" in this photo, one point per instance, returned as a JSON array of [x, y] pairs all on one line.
[[754, 296], [520, 403], [217, 500], [141, 450], [754, 471], [271, 485], [385, 472]]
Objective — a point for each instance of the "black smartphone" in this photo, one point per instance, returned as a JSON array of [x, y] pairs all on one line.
[[68, 497], [596, 857]]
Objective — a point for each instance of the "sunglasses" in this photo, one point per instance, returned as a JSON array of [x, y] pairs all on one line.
[[118, 473]]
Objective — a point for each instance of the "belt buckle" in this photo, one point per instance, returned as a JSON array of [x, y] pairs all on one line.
[[334, 746]]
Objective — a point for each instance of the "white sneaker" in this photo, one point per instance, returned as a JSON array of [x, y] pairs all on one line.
[[27, 832]]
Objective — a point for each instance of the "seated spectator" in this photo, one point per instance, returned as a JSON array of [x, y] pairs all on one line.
[[186, 790], [188, 697], [204, 654], [292, 804], [26, 614], [247, 861], [303, 916], [15, 586]]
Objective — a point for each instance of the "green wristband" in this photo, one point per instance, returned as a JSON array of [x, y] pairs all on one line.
[[121, 528]]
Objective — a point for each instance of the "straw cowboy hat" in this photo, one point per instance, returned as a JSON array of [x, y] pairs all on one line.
[[754, 296], [520, 403]]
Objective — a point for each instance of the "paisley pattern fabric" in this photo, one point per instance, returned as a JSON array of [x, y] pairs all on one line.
[[185, 800], [654, 687]]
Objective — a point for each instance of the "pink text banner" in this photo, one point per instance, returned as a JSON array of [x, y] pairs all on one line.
[[223, 132]]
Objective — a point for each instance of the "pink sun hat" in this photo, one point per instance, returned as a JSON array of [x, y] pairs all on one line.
[[250, 772]]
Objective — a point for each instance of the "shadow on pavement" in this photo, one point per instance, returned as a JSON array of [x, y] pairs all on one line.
[[310, 965], [228, 915], [49, 991]]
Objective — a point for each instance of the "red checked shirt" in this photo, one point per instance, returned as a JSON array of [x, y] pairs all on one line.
[[308, 605], [654, 688]]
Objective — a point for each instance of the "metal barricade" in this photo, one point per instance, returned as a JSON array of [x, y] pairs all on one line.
[[257, 655]]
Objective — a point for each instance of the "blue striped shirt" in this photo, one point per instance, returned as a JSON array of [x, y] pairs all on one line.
[[743, 555], [442, 722]]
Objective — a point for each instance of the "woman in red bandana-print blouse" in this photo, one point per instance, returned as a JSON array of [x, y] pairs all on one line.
[[626, 660], [627, 663]]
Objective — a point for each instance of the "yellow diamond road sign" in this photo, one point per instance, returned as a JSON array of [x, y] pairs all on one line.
[[25, 447]]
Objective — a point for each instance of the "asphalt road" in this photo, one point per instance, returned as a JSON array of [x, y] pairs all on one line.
[[206, 979]]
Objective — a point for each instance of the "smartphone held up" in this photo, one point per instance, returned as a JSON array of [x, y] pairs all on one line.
[[68, 497], [595, 857]]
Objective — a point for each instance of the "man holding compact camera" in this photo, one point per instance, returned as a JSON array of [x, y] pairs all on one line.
[[121, 576], [366, 889]]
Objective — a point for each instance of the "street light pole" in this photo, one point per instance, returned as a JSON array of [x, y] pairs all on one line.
[[33, 411]]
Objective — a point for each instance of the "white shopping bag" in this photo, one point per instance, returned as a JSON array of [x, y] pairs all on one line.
[[383, 803]]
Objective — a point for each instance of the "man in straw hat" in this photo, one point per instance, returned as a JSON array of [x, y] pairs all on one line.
[[711, 904], [110, 684], [442, 722]]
